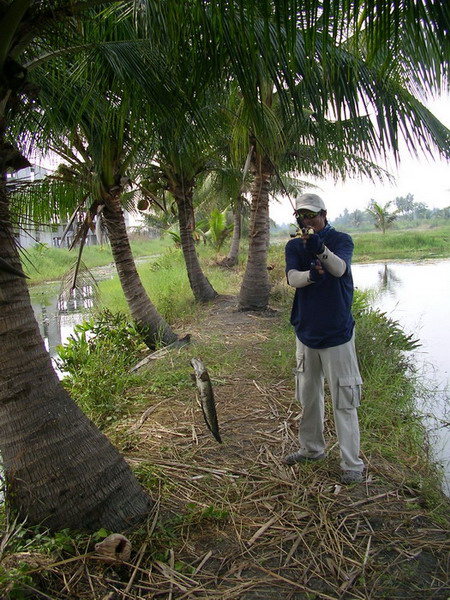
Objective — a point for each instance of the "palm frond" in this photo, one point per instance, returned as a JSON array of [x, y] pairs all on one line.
[[77, 285]]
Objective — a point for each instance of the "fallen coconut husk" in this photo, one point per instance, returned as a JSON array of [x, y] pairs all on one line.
[[114, 548]]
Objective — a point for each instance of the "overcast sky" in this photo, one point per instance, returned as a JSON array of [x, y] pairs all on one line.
[[427, 180]]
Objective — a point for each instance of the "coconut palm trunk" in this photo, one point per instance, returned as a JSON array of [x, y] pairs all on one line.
[[255, 287], [60, 470], [154, 328], [201, 288]]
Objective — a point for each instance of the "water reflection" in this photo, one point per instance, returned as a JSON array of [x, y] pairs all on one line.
[[417, 296], [388, 280], [58, 314], [77, 299]]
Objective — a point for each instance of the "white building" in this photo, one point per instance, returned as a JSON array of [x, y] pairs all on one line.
[[29, 234]]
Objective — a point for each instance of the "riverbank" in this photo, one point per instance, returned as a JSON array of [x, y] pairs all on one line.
[[404, 244], [42, 263], [232, 522]]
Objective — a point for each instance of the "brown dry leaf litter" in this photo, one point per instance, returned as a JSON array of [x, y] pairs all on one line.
[[237, 524]]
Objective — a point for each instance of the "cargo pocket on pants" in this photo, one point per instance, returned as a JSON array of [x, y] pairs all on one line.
[[349, 392], [300, 358]]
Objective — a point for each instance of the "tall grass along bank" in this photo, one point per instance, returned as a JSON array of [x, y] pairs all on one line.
[[402, 245]]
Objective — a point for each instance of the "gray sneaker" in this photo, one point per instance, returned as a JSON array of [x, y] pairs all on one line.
[[298, 457], [349, 477]]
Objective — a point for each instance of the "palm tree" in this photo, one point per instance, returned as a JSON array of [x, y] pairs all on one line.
[[281, 146], [382, 218], [186, 148], [238, 213], [101, 143], [59, 469], [255, 287], [218, 228], [348, 142], [225, 187], [180, 182]]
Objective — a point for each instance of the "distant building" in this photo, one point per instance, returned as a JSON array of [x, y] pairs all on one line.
[[29, 234]]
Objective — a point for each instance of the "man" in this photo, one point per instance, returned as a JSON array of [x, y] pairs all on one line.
[[318, 266]]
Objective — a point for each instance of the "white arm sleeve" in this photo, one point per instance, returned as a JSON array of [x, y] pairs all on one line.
[[298, 279], [332, 263]]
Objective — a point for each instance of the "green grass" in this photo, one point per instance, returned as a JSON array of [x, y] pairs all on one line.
[[166, 281], [388, 417], [405, 244], [413, 244], [42, 263], [96, 361], [161, 268]]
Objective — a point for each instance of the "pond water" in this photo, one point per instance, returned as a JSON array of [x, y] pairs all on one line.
[[57, 317], [417, 295]]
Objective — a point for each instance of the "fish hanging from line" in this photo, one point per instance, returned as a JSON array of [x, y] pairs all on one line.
[[207, 402]]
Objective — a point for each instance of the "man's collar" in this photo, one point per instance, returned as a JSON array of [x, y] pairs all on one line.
[[323, 232]]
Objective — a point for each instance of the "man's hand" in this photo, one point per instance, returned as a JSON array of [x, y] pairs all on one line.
[[314, 244], [316, 271]]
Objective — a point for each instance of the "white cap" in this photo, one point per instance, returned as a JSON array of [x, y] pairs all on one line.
[[310, 202]]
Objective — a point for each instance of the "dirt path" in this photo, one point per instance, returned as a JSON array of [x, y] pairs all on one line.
[[240, 525]]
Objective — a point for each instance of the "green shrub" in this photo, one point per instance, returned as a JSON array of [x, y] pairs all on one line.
[[96, 361]]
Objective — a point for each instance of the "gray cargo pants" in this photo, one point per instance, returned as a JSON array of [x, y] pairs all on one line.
[[339, 366]]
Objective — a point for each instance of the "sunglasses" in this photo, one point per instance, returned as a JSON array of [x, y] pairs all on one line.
[[307, 214]]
